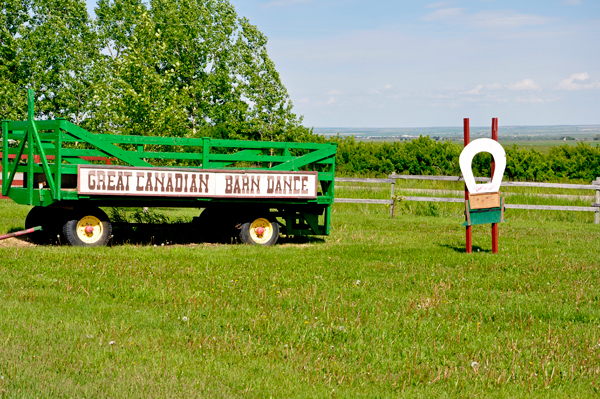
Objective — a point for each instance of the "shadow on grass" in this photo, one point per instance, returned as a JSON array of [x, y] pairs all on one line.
[[182, 234], [167, 234], [300, 240], [461, 249], [154, 234]]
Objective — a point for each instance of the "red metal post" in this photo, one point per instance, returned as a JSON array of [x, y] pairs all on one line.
[[468, 246], [493, 167]]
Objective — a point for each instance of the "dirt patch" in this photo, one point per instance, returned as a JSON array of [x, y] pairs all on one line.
[[15, 242]]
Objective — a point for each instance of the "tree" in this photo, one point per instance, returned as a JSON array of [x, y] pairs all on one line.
[[49, 46], [185, 68]]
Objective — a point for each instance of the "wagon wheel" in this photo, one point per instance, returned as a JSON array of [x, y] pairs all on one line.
[[260, 231], [216, 225], [87, 228], [51, 221]]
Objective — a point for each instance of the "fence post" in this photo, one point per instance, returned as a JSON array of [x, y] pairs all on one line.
[[597, 213], [468, 235], [393, 200]]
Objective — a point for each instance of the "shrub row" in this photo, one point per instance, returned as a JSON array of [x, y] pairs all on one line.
[[425, 156]]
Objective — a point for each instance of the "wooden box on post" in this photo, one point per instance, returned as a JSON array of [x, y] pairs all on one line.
[[484, 209], [485, 200]]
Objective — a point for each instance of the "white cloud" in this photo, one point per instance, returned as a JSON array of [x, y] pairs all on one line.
[[331, 100], [445, 14], [439, 4], [477, 89], [525, 84], [335, 92], [572, 83], [284, 3], [507, 19], [533, 99], [571, 2], [494, 19], [387, 87]]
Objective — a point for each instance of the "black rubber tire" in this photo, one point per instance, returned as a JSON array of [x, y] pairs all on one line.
[[51, 221], [247, 237], [216, 225], [102, 231]]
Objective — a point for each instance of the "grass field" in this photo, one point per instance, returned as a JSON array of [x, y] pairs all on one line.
[[380, 308], [543, 145]]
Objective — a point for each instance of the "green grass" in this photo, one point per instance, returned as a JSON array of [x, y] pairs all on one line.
[[381, 308]]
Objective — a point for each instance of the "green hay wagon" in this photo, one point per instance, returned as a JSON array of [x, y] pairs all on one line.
[[250, 189]]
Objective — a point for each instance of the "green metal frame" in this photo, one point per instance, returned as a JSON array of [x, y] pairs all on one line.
[[59, 146]]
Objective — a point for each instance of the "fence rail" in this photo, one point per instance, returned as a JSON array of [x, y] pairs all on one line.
[[391, 179]]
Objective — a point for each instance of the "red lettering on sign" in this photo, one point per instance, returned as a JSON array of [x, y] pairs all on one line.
[[255, 183], [204, 183], [161, 181], [193, 188], [120, 185], [178, 182], [236, 186], [169, 182], [270, 184], [91, 182], [228, 184], [111, 184], [139, 175], [127, 176], [296, 179], [101, 179], [149, 182]]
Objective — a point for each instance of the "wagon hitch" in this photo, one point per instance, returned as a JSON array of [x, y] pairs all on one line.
[[20, 233]]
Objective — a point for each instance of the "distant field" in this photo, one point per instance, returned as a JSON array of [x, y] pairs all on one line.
[[540, 138], [543, 146], [381, 308]]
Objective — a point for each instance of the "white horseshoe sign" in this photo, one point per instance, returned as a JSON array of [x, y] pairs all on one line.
[[466, 158]]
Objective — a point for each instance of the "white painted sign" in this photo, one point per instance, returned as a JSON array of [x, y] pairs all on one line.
[[169, 182], [466, 159]]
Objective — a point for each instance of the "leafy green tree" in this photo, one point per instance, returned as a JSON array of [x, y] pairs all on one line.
[[47, 45], [187, 68]]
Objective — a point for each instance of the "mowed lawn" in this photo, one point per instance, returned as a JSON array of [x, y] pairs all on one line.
[[381, 308]]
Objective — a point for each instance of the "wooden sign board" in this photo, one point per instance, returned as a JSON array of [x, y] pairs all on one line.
[[485, 200], [169, 182]]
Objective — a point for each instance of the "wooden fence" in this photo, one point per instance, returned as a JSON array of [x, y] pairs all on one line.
[[391, 179]]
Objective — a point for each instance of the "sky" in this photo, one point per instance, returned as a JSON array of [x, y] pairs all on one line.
[[411, 63]]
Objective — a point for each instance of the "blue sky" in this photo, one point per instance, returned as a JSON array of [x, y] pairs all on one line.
[[400, 63]]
